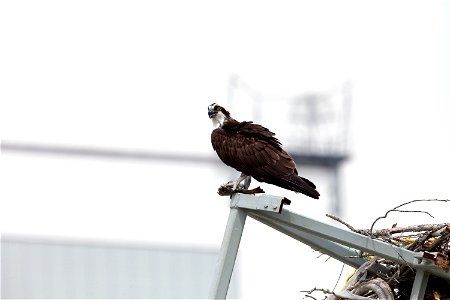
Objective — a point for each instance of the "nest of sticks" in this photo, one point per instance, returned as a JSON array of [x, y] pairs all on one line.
[[397, 281]]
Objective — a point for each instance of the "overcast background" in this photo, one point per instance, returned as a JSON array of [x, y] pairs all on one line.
[[140, 74]]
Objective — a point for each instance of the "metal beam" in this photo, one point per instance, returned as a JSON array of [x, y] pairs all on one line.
[[233, 234], [228, 253], [347, 255], [342, 236], [328, 239], [354, 240], [263, 202], [419, 285]]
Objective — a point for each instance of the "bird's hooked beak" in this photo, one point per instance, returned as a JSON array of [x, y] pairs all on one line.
[[217, 114], [211, 113]]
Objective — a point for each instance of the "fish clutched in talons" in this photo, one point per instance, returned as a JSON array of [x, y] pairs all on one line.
[[225, 190]]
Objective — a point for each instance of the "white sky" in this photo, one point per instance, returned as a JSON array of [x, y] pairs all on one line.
[[140, 74]]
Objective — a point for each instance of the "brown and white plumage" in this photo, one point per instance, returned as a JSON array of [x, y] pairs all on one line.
[[254, 151]]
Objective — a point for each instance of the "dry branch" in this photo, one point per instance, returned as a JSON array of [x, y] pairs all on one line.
[[406, 203]]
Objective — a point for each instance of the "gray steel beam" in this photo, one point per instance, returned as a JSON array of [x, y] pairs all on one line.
[[263, 202], [354, 240], [233, 234], [419, 285], [347, 255], [228, 253], [336, 242], [289, 220]]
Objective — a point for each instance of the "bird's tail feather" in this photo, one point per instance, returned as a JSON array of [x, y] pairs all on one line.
[[298, 184]]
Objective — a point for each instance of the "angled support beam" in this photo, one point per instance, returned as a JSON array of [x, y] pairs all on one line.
[[353, 240], [233, 233], [228, 253], [336, 242], [345, 254], [419, 285]]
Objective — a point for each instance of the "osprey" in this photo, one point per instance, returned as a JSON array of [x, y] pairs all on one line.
[[254, 151]]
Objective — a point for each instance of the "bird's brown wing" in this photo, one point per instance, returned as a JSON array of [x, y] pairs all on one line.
[[252, 150]]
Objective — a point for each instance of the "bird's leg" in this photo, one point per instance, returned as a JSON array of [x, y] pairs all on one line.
[[235, 184], [247, 182], [240, 185]]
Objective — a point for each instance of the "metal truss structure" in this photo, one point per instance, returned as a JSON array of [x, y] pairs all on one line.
[[338, 243]]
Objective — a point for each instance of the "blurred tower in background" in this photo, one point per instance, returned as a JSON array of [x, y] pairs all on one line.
[[313, 126]]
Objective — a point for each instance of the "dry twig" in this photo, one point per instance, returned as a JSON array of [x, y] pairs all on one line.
[[342, 222], [406, 203]]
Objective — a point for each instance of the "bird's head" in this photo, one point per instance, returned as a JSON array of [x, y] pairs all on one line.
[[217, 114]]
